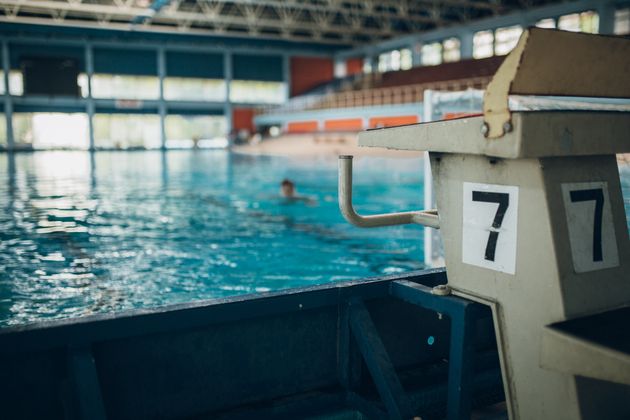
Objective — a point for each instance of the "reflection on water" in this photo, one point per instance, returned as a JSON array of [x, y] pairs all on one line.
[[84, 233]]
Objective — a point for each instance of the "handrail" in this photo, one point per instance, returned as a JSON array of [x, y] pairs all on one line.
[[427, 218]]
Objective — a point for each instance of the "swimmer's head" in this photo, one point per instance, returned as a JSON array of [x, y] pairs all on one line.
[[287, 188]]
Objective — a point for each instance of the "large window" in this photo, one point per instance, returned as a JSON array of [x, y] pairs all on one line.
[[16, 83], [505, 39], [187, 131], [194, 89], [118, 86], [127, 131], [483, 44], [406, 59], [3, 131], [431, 54], [580, 22], [451, 50], [549, 23], [251, 91], [51, 130], [622, 21]]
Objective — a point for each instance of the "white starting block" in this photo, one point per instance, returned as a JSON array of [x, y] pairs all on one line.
[[533, 223]]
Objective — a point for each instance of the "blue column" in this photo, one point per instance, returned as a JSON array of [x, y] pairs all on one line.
[[606, 12], [286, 75], [89, 70], [416, 53], [161, 68], [8, 101], [227, 74], [466, 45]]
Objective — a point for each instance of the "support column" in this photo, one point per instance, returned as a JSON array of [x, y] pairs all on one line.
[[90, 108], [606, 12], [8, 101], [227, 107], [416, 53], [286, 75], [161, 69], [466, 45]]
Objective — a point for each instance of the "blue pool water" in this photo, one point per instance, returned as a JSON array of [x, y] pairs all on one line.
[[82, 234]]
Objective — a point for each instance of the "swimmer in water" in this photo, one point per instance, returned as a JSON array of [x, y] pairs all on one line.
[[287, 190]]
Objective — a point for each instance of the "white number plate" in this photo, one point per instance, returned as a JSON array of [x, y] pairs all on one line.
[[591, 228], [489, 226]]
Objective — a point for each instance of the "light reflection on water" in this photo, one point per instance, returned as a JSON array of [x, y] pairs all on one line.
[[82, 233]]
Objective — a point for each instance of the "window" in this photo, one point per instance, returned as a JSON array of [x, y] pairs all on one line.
[[51, 130], [549, 23], [451, 50], [3, 131], [580, 22], [127, 131], [16, 83], [385, 62], [118, 86], [483, 44], [622, 21], [406, 59], [194, 89], [431, 54], [251, 91], [187, 131], [505, 39]]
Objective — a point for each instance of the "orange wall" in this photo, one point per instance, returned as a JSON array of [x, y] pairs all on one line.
[[302, 127], [243, 119], [349, 124], [354, 66], [308, 72], [392, 121]]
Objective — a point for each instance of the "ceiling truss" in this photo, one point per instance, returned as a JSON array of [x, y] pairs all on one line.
[[326, 21]]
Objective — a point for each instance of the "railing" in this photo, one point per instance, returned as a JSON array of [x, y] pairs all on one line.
[[378, 96]]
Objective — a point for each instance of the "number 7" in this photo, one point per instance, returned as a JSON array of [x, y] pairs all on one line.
[[596, 195], [503, 200]]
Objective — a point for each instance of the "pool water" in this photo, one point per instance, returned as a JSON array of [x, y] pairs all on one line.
[[83, 234]]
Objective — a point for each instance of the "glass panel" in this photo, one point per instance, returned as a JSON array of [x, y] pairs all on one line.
[[483, 44], [505, 39], [589, 22], [546, 23], [3, 131], [622, 21], [406, 59], [250, 91], [51, 130], [451, 48], [114, 86], [187, 131], [384, 62], [16, 83], [192, 89], [127, 131], [395, 60], [570, 22], [431, 54]]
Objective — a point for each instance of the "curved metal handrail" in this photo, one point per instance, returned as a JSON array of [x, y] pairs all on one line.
[[427, 218]]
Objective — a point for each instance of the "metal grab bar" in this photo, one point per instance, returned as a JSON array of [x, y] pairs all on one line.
[[427, 218]]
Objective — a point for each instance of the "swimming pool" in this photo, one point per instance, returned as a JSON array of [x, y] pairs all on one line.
[[82, 234]]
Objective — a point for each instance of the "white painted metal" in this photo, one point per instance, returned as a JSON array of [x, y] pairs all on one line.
[[427, 218]]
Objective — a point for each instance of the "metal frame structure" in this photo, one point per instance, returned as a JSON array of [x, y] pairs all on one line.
[[333, 21], [324, 348]]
